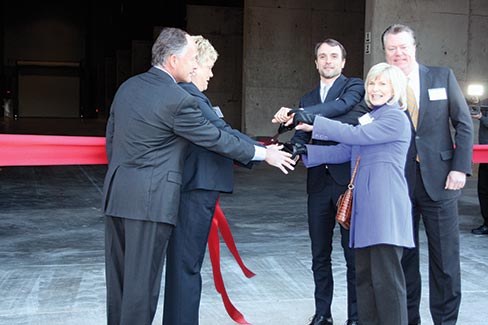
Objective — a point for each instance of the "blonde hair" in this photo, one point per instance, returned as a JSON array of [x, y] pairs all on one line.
[[205, 51], [397, 80]]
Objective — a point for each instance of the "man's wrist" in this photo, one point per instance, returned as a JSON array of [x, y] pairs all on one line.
[[259, 153]]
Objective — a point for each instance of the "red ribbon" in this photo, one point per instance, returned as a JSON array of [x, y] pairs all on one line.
[[220, 223], [43, 150], [480, 153]]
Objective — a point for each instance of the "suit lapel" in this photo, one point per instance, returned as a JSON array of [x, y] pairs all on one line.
[[425, 84], [193, 90], [315, 96], [335, 90], [410, 119]]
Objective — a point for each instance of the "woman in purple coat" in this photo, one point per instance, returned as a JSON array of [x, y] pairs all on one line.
[[381, 222]]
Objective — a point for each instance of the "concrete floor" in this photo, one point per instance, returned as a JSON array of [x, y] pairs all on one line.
[[52, 259]]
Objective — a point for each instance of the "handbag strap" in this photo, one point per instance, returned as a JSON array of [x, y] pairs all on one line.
[[354, 173]]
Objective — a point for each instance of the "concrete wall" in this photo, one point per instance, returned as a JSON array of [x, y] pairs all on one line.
[[449, 33], [222, 26], [278, 62]]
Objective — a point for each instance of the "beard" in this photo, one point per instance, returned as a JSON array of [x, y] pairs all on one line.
[[330, 74]]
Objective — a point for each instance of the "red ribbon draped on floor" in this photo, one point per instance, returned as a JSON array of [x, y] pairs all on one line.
[[220, 223], [43, 150]]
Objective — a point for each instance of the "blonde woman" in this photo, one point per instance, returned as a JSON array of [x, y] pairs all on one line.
[[205, 175]]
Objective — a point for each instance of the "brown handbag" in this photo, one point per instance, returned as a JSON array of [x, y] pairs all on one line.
[[344, 203]]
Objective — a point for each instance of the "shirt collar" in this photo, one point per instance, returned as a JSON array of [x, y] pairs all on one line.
[[164, 70], [414, 82], [414, 75], [322, 84]]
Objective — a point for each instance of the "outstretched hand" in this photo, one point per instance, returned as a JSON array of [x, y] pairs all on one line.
[[300, 116], [280, 159], [281, 116]]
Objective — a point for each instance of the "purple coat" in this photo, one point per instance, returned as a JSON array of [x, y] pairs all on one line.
[[382, 212]]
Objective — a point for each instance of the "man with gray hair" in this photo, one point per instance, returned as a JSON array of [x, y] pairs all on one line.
[[436, 173], [152, 121]]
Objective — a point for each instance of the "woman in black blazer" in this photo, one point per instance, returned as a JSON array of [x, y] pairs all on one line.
[[205, 175]]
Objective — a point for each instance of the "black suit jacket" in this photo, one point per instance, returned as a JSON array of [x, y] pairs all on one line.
[[205, 169], [444, 135], [152, 120], [344, 94]]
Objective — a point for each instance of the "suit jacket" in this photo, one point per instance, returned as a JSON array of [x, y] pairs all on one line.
[[411, 164], [152, 120], [433, 140], [344, 94], [382, 211], [205, 169]]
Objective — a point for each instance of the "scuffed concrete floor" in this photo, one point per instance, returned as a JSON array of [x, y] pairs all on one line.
[[52, 259]]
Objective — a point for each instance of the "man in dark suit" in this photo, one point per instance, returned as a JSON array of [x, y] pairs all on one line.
[[441, 166], [334, 97], [152, 121]]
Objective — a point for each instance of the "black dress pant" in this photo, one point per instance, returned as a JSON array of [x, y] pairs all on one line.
[[381, 285], [440, 219], [483, 191], [321, 222], [134, 257], [186, 252]]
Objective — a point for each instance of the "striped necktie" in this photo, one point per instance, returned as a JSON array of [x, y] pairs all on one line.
[[413, 109], [412, 106]]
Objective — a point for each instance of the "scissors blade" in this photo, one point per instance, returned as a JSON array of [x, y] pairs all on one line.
[[274, 139]]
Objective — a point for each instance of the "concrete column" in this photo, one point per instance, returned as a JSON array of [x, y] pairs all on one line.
[[449, 33], [278, 62], [222, 26]]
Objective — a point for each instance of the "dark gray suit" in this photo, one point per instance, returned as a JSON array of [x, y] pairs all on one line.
[[434, 146], [152, 121], [205, 175], [325, 183]]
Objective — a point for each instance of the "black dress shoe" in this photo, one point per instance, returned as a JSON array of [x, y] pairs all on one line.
[[352, 322], [481, 230], [321, 320]]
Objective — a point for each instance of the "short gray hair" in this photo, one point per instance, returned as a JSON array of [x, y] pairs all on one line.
[[397, 79], [170, 41], [396, 29]]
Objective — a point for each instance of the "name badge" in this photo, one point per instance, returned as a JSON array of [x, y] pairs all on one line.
[[218, 111], [365, 119], [437, 94]]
